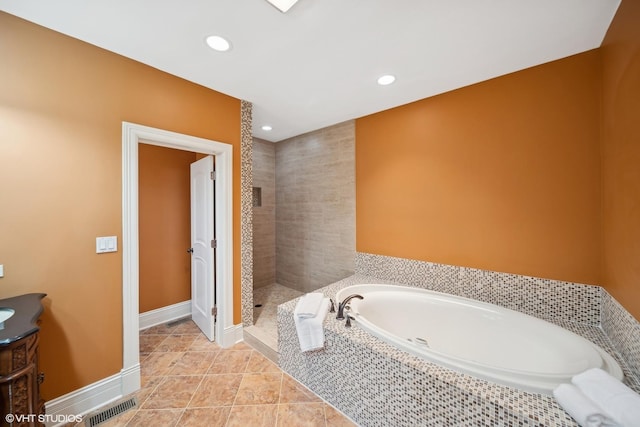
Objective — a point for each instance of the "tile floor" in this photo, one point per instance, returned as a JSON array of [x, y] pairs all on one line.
[[270, 296], [265, 318], [189, 381]]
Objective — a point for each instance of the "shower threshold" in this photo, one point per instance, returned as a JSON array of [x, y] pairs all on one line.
[[263, 334]]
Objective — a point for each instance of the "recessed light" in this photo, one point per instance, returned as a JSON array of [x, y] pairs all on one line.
[[218, 43], [387, 79], [267, 128], [283, 5]]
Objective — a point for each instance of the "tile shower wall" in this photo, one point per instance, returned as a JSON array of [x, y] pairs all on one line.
[[264, 216], [315, 214]]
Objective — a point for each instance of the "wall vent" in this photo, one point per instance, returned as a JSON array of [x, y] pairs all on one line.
[[111, 412]]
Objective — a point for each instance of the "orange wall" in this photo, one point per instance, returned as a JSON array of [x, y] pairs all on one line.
[[621, 157], [62, 103], [164, 226], [502, 175]]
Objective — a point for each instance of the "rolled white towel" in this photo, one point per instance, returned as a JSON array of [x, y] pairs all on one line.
[[616, 399], [311, 329], [586, 412], [308, 305]]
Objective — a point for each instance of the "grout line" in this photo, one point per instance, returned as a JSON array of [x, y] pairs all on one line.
[[194, 393], [177, 423], [212, 362], [280, 392], [237, 391], [244, 372], [228, 415], [153, 389], [324, 412]]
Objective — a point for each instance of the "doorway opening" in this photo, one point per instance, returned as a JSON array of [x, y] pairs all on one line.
[[225, 332], [176, 236]]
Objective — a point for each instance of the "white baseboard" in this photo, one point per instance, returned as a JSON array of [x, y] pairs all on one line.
[[93, 396], [232, 335], [130, 380], [165, 314]]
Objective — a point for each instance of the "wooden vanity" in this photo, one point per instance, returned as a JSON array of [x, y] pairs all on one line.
[[20, 377]]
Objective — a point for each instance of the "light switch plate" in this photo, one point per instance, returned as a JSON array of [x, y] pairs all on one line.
[[1, 270], [106, 244]]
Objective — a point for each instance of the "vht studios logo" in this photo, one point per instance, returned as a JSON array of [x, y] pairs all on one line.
[[42, 418]]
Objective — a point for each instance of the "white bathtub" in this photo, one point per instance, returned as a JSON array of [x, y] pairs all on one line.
[[476, 338]]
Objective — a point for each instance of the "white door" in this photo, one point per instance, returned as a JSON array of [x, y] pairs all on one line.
[[202, 243]]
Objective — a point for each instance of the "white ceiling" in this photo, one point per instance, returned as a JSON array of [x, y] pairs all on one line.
[[317, 65]]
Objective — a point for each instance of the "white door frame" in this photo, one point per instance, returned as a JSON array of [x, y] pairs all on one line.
[[132, 135]]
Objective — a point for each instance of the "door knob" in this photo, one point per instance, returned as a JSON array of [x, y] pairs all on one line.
[[190, 250]]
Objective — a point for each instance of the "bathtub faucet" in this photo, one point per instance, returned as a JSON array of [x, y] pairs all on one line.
[[344, 303]]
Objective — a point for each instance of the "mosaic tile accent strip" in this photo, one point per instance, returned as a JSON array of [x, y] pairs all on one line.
[[377, 384], [543, 298], [623, 330], [246, 213]]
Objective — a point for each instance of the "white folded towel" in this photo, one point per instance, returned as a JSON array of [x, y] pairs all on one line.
[[616, 399], [586, 412], [310, 330], [308, 305]]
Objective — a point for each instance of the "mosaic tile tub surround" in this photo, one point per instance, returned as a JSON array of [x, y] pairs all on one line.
[[543, 298], [379, 385], [552, 300]]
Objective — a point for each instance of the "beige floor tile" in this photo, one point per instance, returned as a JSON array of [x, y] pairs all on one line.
[[176, 343], [230, 361], [259, 363], [239, 346], [149, 343], [209, 417], [202, 343], [240, 388], [159, 363], [334, 418], [155, 417], [147, 386], [259, 389], [187, 328], [301, 415], [149, 381], [193, 363], [253, 416], [294, 392], [173, 392], [216, 390]]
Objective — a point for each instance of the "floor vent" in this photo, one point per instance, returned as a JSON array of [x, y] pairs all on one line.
[[114, 411], [179, 321]]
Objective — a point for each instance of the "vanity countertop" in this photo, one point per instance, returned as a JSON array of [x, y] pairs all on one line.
[[23, 323]]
